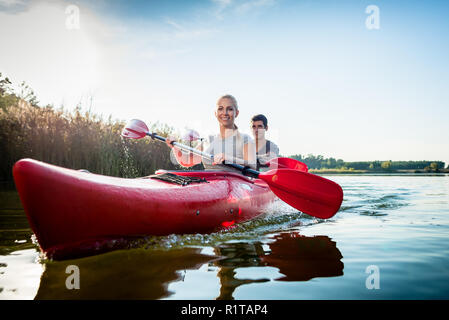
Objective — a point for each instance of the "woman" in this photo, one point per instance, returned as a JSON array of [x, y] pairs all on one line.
[[229, 145]]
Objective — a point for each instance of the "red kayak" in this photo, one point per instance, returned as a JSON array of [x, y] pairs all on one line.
[[67, 207]]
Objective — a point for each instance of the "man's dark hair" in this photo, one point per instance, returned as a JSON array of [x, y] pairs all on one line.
[[260, 117]]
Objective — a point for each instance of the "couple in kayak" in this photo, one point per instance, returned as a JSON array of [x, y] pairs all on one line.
[[230, 145]]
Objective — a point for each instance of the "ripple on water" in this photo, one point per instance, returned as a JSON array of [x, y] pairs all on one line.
[[375, 203], [253, 229]]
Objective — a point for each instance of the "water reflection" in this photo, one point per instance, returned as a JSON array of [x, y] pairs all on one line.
[[236, 255], [298, 258], [146, 274], [301, 258], [123, 274]]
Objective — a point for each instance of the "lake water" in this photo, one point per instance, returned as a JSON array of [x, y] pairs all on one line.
[[390, 240]]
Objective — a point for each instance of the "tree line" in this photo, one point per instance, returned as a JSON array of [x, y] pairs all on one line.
[[319, 162]]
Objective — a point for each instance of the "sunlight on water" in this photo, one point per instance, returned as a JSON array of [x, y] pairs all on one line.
[[20, 274]]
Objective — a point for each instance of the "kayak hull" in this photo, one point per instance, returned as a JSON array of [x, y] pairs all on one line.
[[65, 207]]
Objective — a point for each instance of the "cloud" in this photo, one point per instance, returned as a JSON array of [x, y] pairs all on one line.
[[55, 61], [188, 33], [174, 24], [14, 6], [111, 60], [249, 6], [239, 7], [11, 3], [222, 4]]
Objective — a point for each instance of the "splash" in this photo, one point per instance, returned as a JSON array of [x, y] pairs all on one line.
[[127, 166], [281, 217]]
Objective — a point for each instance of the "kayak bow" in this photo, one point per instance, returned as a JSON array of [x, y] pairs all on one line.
[[65, 207]]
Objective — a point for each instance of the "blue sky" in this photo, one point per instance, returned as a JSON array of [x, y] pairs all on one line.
[[327, 83]]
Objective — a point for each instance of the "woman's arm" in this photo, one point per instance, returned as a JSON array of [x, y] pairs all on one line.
[[185, 159], [249, 157]]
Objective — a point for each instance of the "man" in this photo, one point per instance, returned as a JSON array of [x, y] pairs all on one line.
[[265, 149]]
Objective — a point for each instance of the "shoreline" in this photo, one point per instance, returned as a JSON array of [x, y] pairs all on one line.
[[417, 172]]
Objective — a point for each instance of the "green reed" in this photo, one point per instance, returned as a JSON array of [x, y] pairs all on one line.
[[77, 140]]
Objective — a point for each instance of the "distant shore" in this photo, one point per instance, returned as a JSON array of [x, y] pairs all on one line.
[[352, 171]]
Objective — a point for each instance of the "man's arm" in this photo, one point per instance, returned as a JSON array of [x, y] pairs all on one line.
[[274, 153]]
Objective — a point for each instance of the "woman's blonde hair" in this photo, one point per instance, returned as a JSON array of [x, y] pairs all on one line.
[[230, 97]]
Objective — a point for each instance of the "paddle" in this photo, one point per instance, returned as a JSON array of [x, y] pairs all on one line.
[[311, 194], [286, 163]]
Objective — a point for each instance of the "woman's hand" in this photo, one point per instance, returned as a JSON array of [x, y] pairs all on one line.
[[169, 141], [219, 158]]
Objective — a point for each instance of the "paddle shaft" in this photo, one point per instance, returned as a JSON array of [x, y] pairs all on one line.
[[247, 171]]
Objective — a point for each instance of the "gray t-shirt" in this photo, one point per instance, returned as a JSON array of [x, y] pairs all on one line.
[[232, 146], [267, 152]]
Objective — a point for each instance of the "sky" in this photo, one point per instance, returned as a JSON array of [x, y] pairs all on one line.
[[335, 78]]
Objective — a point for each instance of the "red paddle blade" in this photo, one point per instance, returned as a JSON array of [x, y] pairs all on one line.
[[309, 193], [135, 129], [287, 163]]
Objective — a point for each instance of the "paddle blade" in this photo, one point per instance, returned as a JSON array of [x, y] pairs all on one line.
[[309, 193], [135, 129], [287, 163]]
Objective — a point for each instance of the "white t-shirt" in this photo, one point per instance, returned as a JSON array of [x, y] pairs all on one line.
[[232, 146]]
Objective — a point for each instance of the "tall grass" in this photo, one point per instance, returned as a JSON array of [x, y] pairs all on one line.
[[77, 140]]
